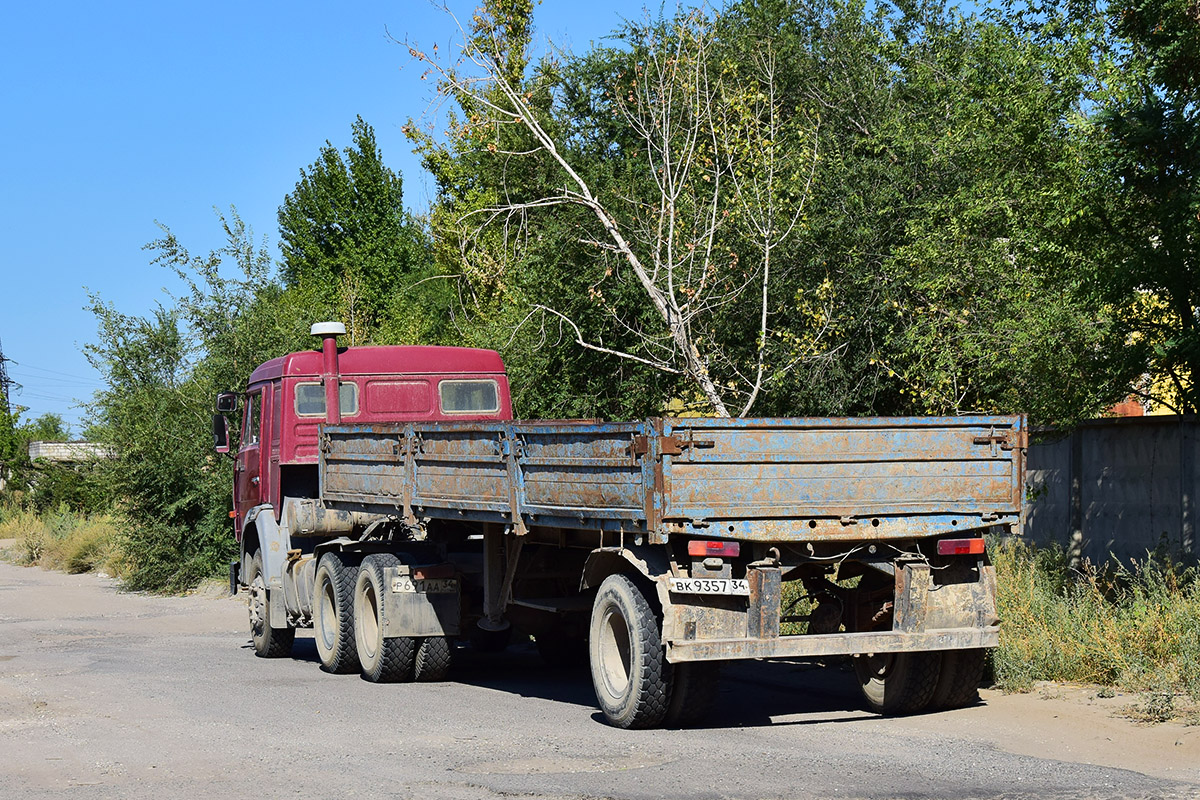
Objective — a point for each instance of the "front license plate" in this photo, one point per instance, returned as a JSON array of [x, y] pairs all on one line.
[[710, 586], [403, 583]]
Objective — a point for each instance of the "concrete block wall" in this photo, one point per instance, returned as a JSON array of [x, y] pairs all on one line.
[[1115, 487]]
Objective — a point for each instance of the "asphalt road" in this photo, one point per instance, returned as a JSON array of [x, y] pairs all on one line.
[[112, 695]]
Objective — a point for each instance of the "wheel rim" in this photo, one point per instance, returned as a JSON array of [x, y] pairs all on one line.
[[614, 651], [368, 619], [258, 605], [328, 615]]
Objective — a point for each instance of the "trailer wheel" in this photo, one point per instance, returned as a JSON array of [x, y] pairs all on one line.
[[268, 642], [958, 683], [432, 659], [629, 667], [383, 660], [333, 613], [693, 690], [898, 683]]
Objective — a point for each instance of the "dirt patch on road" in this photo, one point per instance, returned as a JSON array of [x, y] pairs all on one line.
[[1076, 724]]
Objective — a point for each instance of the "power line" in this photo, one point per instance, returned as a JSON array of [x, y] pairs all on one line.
[[57, 383], [53, 397], [26, 365]]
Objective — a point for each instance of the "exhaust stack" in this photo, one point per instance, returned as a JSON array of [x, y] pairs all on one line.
[[329, 331]]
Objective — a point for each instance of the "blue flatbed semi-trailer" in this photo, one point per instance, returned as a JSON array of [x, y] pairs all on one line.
[[770, 500]]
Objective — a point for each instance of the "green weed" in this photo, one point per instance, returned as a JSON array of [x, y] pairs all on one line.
[[1134, 626]]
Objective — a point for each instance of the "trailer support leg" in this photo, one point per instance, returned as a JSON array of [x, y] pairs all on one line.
[[494, 587]]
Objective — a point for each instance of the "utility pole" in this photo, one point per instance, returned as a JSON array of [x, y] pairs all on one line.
[[7, 435], [5, 384]]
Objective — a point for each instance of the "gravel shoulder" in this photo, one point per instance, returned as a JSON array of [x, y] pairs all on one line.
[[111, 694]]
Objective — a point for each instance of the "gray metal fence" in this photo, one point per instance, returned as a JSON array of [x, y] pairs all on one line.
[[1115, 487]]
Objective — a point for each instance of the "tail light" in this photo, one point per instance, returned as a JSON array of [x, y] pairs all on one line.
[[960, 547], [701, 549], [434, 571]]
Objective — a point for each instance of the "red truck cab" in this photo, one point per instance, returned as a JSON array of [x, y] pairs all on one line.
[[286, 404]]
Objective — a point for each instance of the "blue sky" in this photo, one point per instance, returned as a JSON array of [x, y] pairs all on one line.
[[115, 115]]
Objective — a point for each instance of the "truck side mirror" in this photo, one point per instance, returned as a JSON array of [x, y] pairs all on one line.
[[221, 433], [227, 402]]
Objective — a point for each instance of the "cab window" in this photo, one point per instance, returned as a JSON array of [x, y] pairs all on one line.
[[252, 427], [310, 399], [469, 397]]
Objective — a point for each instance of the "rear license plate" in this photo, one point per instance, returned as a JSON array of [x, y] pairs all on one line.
[[403, 583], [736, 586]]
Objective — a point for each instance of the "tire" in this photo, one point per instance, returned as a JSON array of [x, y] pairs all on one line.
[[958, 683], [268, 642], [333, 613], [630, 672], [693, 690], [382, 660], [432, 660], [898, 683]]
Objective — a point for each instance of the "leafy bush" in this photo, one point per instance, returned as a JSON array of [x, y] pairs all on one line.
[[80, 487]]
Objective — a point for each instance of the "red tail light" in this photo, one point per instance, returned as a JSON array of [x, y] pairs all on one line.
[[702, 549], [435, 571], [960, 547]]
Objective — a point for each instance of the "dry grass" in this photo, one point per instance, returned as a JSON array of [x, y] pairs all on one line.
[[1135, 626], [62, 540]]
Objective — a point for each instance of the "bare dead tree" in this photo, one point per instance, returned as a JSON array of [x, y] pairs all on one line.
[[770, 205], [713, 155]]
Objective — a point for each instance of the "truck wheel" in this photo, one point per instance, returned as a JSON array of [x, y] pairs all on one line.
[[629, 667], [693, 690], [433, 659], [898, 683], [958, 683], [383, 660], [333, 613], [268, 642]]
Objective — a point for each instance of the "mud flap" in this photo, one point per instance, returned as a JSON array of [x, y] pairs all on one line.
[[961, 596], [278, 609], [414, 607]]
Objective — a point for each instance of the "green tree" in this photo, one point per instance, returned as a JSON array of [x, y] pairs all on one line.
[[348, 245], [49, 427], [162, 372], [9, 442], [1146, 207]]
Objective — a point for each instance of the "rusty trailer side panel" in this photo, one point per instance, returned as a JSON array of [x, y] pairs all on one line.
[[757, 479], [865, 478]]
